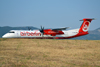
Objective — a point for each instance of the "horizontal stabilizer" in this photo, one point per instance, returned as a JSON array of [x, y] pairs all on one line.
[[88, 19]]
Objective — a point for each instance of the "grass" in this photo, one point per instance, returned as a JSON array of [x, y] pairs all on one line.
[[49, 53]]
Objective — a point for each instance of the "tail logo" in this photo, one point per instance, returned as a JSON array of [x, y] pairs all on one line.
[[86, 26]]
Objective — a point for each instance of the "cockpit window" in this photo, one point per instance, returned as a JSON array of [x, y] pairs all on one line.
[[11, 32]]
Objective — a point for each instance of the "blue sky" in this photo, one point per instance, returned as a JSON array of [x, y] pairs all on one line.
[[49, 13]]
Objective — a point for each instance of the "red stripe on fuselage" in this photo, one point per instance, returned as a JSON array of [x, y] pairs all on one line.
[[52, 32]]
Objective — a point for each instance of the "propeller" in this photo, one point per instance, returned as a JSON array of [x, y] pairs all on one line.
[[42, 30]]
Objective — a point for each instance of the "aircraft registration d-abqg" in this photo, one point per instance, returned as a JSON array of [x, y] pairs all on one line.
[[59, 33]]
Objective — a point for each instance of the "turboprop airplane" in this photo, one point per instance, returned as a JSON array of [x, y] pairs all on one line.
[[58, 33]]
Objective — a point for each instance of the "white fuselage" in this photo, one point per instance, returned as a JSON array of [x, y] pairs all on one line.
[[36, 33]]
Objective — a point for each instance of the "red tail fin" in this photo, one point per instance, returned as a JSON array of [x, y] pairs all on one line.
[[85, 25]]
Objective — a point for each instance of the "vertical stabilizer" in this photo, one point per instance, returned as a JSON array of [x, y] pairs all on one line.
[[85, 25]]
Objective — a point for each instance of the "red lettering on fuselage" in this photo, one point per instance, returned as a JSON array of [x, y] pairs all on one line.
[[30, 33]]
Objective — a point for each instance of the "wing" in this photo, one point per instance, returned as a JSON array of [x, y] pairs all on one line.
[[64, 28]]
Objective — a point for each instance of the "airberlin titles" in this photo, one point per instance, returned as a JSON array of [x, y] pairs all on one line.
[[26, 33]]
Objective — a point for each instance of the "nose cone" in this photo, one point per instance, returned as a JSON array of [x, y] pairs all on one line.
[[3, 36]]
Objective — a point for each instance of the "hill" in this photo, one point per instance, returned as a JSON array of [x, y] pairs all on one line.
[[93, 35], [49, 53]]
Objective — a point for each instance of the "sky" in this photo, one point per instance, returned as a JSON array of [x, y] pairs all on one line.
[[49, 13]]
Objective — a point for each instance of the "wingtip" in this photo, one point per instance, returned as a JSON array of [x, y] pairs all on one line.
[[68, 27], [93, 19]]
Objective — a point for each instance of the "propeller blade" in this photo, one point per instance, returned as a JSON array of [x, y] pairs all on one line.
[[42, 31]]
